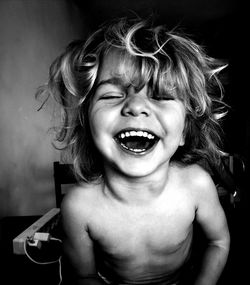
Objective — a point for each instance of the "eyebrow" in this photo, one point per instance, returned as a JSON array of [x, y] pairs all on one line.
[[119, 82], [113, 80]]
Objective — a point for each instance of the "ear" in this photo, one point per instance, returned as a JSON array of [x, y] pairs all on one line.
[[182, 141], [184, 132]]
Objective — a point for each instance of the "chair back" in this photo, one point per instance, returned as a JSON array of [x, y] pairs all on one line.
[[63, 175]]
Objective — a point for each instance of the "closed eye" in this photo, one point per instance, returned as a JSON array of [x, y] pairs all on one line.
[[108, 90], [163, 97], [111, 95]]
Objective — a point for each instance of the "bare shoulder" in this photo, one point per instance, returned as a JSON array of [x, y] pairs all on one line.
[[193, 173], [198, 180], [79, 193], [197, 175], [80, 200]]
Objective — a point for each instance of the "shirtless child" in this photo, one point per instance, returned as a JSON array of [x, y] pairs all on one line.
[[145, 112]]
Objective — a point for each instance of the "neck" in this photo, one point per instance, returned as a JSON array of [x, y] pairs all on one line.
[[135, 190]]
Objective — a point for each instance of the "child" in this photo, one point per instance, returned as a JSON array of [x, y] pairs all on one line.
[[141, 107]]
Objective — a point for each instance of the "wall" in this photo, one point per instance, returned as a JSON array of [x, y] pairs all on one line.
[[32, 34]]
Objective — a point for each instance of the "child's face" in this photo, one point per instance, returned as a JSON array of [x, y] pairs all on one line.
[[135, 133]]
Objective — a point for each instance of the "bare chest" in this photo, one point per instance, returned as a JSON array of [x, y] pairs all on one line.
[[140, 234]]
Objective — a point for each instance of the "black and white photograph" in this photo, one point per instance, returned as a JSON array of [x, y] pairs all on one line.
[[125, 142]]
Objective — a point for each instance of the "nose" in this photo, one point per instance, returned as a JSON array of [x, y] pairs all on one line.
[[136, 105]]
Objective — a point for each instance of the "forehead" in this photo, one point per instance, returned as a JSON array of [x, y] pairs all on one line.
[[116, 63]]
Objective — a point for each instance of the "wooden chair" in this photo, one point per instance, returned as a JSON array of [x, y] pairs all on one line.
[[230, 180], [231, 177], [63, 175]]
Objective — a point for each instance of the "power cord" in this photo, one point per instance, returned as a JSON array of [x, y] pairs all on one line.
[[36, 241]]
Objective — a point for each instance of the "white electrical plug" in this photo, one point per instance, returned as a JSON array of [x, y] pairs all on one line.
[[42, 236]]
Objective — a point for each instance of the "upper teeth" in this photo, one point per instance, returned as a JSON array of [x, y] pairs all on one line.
[[136, 133]]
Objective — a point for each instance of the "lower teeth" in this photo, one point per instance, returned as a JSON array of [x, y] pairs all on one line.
[[132, 149], [137, 150]]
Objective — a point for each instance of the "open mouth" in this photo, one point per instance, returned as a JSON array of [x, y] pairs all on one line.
[[136, 141]]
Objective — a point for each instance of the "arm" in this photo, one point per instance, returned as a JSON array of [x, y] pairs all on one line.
[[211, 217], [77, 244]]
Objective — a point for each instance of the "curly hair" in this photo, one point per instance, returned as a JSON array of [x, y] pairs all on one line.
[[168, 62]]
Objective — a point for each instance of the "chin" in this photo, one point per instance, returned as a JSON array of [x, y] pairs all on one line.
[[137, 171]]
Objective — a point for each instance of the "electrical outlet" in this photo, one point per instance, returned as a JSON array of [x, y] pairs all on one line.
[[44, 224]]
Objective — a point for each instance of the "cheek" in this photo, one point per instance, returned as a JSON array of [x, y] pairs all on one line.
[[94, 122], [100, 125], [174, 125], [174, 122]]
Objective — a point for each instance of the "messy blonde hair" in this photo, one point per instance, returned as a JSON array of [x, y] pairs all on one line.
[[167, 61]]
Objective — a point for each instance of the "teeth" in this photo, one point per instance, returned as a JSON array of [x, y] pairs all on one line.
[[136, 134], [133, 149]]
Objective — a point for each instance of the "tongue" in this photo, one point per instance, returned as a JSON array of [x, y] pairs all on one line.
[[137, 144]]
